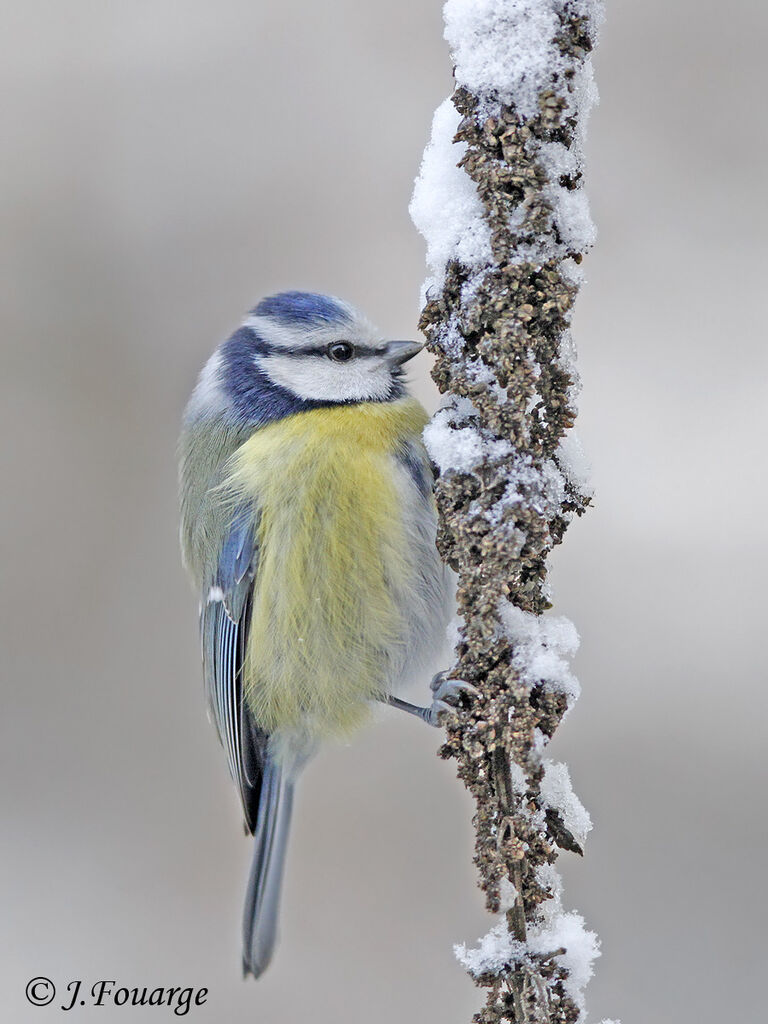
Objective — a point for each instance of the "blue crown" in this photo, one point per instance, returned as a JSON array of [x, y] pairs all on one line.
[[308, 308]]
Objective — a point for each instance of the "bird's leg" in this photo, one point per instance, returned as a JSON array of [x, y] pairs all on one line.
[[441, 688], [428, 715]]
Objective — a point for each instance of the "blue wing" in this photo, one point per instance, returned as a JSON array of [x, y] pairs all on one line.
[[414, 459], [224, 621]]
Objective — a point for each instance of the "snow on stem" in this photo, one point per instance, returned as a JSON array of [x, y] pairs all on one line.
[[500, 203]]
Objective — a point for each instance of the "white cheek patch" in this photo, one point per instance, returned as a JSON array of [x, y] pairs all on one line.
[[321, 379]]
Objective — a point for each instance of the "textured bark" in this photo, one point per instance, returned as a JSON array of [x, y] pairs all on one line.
[[512, 316]]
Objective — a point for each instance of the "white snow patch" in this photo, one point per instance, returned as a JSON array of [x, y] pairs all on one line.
[[496, 951], [540, 741], [482, 373], [451, 340], [504, 50], [566, 929], [518, 779], [567, 355], [543, 488], [541, 645], [445, 207], [574, 463], [549, 878], [459, 448], [570, 213], [507, 895], [556, 928], [553, 929], [557, 793]]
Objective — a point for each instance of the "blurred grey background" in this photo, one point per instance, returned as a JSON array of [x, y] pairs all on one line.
[[165, 164]]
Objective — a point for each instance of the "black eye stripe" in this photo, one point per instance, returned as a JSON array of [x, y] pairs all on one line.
[[299, 353]]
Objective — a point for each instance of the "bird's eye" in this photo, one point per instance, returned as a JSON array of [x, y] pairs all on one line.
[[341, 351]]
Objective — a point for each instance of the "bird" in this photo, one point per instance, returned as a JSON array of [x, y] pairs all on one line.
[[308, 527]]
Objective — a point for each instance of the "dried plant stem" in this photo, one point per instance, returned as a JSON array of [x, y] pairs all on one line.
[[500, 332]]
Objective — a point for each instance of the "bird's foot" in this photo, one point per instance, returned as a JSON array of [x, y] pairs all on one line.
[[444, 689], [445, 694]]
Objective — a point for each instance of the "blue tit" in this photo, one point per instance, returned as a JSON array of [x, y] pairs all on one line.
[[308, 528]]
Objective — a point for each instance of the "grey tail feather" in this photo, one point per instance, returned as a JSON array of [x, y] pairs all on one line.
[[262, 897]]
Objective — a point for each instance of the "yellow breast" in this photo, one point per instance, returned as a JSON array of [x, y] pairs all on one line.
[[332, 556]]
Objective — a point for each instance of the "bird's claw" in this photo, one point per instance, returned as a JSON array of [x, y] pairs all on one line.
[[445, 695], [443, 687], [437, 712]]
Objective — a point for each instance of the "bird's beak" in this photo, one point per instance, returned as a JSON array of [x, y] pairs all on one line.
[[399, 352]]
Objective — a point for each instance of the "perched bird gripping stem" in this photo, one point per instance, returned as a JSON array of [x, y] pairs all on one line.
[[308, 528]]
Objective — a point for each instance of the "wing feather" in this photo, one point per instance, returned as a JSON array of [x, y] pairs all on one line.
[[224, 632]]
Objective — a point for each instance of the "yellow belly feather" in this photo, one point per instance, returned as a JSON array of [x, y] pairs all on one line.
[[332, 549]]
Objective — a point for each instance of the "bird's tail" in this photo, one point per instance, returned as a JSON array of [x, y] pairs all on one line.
[[263, 895]]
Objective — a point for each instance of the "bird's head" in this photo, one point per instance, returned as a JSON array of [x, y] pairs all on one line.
[[299, 349]]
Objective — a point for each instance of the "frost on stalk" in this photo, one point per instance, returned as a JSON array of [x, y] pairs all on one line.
[[500, 203]]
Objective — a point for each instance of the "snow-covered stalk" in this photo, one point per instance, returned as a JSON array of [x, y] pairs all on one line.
[[499, 200]]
